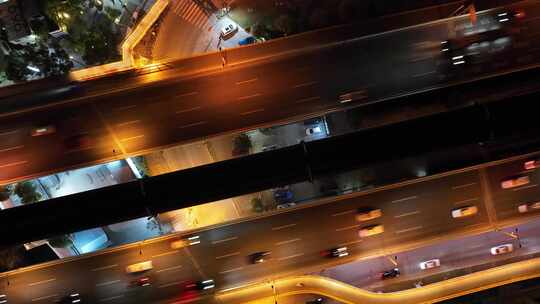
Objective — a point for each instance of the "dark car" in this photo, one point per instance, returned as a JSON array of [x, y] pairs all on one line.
[[393, 273], [200, 285], [247, 40], [71, 298], [80, 141], [142, 281], [337, 252], [259, 257]]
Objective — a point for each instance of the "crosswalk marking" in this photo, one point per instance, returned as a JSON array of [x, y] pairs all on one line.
[[191, 12]]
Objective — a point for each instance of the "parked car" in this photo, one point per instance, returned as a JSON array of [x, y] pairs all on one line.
[[366, 214], [259, 257], [313, 130], [286, 205], [529, 207], [502, 249], [247, 40], [43, 130], [283, 195], [371, 230], [139, 267], [392, 273], [430, 264], [515, 181], [229, 29], [464, 211]]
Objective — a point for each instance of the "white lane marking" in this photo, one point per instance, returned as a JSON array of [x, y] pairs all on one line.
[[247, 81], [132, 138], [346, 228], [283, 227], [227, 255], [349, 243], [79, 149], [186, 94], [231, 270], [308, 99], [169, 268], [124, 108], [165, 253], [407, 214], [525, 187], [42, 282], [192, 125], [424, 74], [104, 267], [251, 112], [107, 283], [463, 186], [409, 229], [170, 284], [14, 164], [43, 298], [305, 84], [249, 96], [287, 241], [9, 132], [466, 201], [11, 148], [343, 213], [405, 199], [188, 110], [127, 123], [111, 298], [224, 240], [290, 257]]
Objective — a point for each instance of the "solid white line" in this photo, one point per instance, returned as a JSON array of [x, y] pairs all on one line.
[[42, 282], [165, 253], [12, 148], [224, 240], [466, 201], [525, 187], [288, 241], [188, 110], [346, 228], [247, 81], [127, 123], [463, 186], [283, 227], [232, 270], [14, 164], [44, 297], [104, 267], [170, 284], [251, 112], [305, 84], [290, 257], [249, 96], [132, 138], [349, 243], [192, 125], [169, 268], [186, 94], [227, 255], [405, 199], [111, 298], [307, 99], [107, 283], [9, 132], [409, 229], [344, 212], [407, 214]]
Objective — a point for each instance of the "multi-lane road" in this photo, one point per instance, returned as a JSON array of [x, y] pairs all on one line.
[[415, 214], [134, 121]]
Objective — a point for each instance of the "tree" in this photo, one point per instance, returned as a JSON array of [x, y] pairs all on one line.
[[242, 144], [5, 192], [285, 24], [257, 205], [62, 241], [27, 192], [11, 258]]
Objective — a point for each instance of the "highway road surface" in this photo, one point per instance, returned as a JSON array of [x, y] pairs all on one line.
[[414, 214], [159, 114]]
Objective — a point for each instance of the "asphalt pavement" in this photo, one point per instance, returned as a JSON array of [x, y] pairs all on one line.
[[155, 114]]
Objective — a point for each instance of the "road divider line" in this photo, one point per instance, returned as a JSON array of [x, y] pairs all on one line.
[[346, 228], [249, 96], [224, 240], [132, 138], [42, 282], [283, 227], [127, 123], [408, 198], [305, 84], [466, 201], [11, 148], [251, 112], [344, 212], [44, 297], [291, 257], [407, 214], [169, 268], [231, 270], [463, 186], [105, 267], [350, 243], [186, 94], [107, 283], [111, 298], [409, 229], [188, 110], [308, 99], [525, 187], [247, 81], [287, 241], [14, 164], [200, 123], [165, 253], [227, 255]]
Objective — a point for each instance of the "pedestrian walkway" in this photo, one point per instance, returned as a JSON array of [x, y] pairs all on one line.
[[192, 13]]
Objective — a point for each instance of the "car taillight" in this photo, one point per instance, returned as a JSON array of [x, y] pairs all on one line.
[[519, 14], [529, 165]]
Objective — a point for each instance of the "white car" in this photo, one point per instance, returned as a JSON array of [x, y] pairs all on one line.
[[430, 264], [515, 181], [371, 230], [139, 267], [368, 214], [229, 29], [192, 240], [313, 130], [529, 207], [464, 211], [502, 249]]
